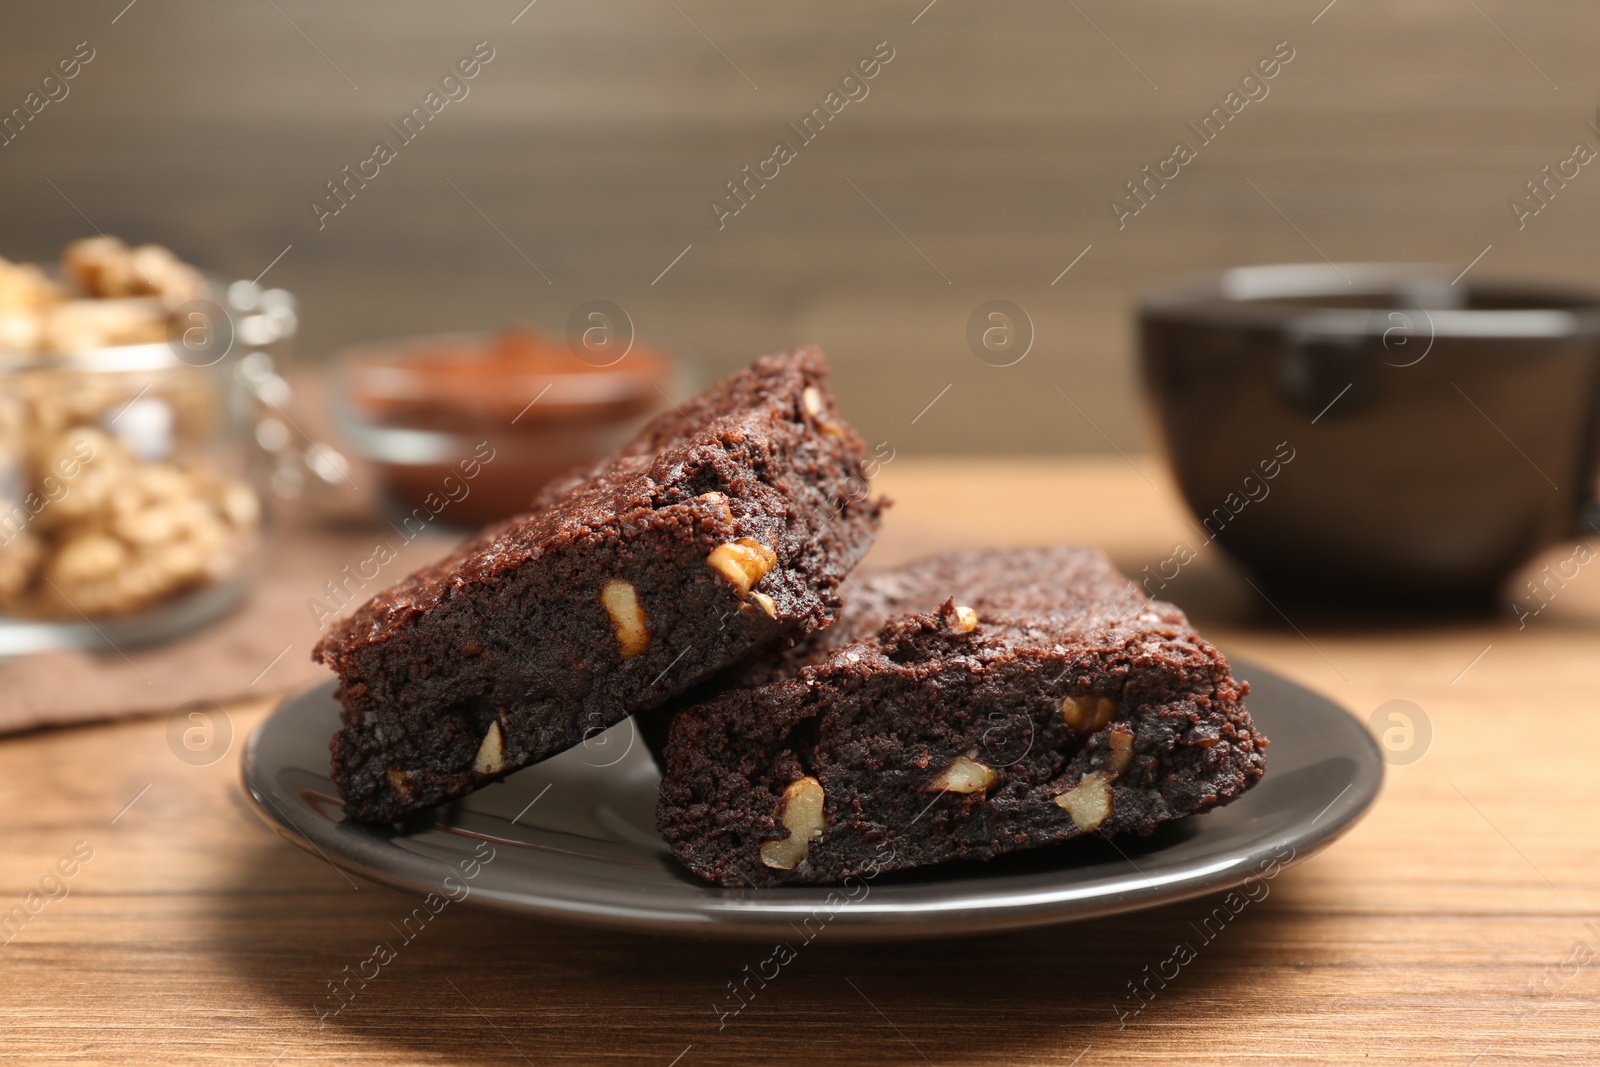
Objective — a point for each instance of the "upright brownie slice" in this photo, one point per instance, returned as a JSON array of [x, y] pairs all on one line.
[[722, 526], [1046, 698]]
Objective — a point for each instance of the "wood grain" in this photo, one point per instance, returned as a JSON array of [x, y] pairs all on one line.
[[1442, 928]]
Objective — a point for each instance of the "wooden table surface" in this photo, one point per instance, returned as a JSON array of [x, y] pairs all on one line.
[[1460, 919]]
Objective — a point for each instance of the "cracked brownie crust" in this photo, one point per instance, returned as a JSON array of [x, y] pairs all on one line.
[[722, 526], [1044, 699]]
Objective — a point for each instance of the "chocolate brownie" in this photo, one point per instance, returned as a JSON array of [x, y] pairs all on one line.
[[724, 525], [1044, 699]]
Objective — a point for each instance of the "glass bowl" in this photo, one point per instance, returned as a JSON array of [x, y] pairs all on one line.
[[465, 428]]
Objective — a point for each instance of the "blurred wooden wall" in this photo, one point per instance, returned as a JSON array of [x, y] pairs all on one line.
[[992, 143]]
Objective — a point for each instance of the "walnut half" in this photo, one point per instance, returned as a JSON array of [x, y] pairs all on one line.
[[1088, 713], [964, 775], [627, 617], [1121, 750], [491, 753], [811, 399], [1088, 802], [743, 562], [801, 814]]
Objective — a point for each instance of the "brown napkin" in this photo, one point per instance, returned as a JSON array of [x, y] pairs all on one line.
[[263, 648]]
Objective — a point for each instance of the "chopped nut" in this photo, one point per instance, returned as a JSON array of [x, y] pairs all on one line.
[[719, 499], [801, 814], [158, 524], [19, 558], [164, 274], [75, 324], [491, 755], [105, 267], [964, 775], [1121, 750], [966, 618], [160, 481], [20, 328], [401, 782], [766, 604], [622, 604], [100, 266], [25, 286], [91, 465], [1088, 802], [176, 564], [742, 562], [811, 400], [86, 558], [1088, 713]]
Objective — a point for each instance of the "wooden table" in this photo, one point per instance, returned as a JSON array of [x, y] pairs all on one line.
[[1460, 919]]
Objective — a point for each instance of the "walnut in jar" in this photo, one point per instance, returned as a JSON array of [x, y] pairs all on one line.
[[162, 531], [78, 470], [20, 554], [105, 267]]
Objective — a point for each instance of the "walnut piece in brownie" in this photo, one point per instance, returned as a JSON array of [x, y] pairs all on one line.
[[1044, 699], [724, 525]]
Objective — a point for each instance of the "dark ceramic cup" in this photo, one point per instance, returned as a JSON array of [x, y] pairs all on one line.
[[1377, 435]]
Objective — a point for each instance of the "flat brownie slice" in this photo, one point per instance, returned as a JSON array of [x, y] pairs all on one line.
[[724, 525], [1044, 699]]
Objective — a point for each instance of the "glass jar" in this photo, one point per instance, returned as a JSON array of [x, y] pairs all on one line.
[[127, 510]]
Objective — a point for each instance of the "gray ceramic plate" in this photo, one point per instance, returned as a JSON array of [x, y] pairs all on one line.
[[574, 838]]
